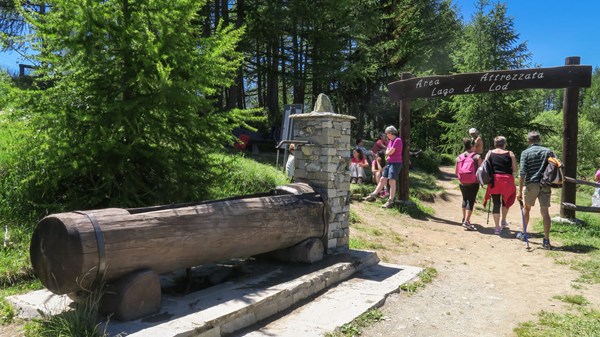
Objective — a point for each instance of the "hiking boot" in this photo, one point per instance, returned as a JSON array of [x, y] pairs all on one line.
[[497, 230], [503, 224], [388, 204], [467, 225], [371, 197], [546, 244], [521, 236]]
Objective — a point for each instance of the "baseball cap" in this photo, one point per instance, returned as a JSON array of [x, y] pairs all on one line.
[[472, 130]]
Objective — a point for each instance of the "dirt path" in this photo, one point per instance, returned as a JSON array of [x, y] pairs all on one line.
[[486, 284]]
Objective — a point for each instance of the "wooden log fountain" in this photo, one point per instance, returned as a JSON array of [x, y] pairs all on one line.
[[77, 251]]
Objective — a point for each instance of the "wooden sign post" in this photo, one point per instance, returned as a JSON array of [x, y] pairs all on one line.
[[569, 148], [571, 76]]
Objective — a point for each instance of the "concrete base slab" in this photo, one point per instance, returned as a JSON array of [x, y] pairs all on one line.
[[338, 305], [225, 308]]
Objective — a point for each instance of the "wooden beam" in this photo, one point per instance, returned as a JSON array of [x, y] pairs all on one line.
[[569, 76], [402, 184], [569, 148], [581, 182], [587, 209]]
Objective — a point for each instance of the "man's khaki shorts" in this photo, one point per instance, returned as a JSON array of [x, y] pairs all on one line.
[[536, 191]]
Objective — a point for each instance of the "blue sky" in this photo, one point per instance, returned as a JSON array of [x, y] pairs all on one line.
[[553, 30]]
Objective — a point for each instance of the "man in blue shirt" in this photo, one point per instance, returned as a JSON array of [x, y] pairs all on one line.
[[532, 165]]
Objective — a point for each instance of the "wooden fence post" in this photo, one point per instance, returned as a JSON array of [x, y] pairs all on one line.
[[405, 136], [569, 149]]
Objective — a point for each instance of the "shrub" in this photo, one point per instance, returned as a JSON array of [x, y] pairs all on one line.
[[429, 161]]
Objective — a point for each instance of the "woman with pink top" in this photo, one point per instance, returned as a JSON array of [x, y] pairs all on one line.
[[391, 172]]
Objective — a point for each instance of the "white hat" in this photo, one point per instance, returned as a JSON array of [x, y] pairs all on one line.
[[472, 130]]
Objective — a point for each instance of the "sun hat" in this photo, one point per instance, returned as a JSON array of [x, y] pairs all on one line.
[[472, 130]]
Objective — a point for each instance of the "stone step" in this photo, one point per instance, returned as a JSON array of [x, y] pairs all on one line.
[[225, 308], [339, 305]]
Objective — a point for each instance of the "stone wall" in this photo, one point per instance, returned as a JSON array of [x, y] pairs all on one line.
[[323, 164]]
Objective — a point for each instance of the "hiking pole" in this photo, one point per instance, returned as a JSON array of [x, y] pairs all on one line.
[[524, 225], [488, 217]]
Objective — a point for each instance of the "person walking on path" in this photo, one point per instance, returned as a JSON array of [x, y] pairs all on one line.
[[477, 141], [531, 169], [502, 190], [466, 165], [391, 172]]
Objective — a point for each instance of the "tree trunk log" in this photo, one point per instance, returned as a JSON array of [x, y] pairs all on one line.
[[66, 254]]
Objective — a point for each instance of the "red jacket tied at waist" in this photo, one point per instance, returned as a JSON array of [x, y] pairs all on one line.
[[504, 184]]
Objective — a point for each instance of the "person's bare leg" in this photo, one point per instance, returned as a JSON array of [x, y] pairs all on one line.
[[496, 217], [381, 185], [504, 214], [547, 222], [392, 189], [526, 210]]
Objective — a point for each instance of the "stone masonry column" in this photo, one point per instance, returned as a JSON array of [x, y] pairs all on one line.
[[324, 165]]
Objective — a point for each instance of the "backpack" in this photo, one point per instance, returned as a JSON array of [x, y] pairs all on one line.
[[485, 173], [553, 174], [466, 169]]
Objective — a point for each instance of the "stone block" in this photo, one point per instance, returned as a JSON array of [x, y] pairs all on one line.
[[284, 301], [265, 309], [214, 332], [313, 167], [238, 323], [327, 124], [307, 150], [332, 242]]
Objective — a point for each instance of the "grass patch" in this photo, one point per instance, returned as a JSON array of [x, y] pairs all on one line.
[[423, 186], [582, 238], [81, 321], [586, 323], [572, 299], [368, 230], [360, 243], [425, 277], [353, 217], [355, 328]]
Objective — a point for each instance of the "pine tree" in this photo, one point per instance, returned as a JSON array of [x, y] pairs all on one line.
[[122, 114], [489, 43]]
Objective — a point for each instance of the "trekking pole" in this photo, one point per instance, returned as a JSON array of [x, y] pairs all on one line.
[[488, 217], [524, 225]]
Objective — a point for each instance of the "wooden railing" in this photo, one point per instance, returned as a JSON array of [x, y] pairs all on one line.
[[588, 209]]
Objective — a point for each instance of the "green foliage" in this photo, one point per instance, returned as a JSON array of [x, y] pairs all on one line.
[[426, 276], [355, 327], [573, 299], [588, 151], [490, 42], [123, 113], [429, 161], [447, 159], [586, 323], [238, 175], [360, 243]]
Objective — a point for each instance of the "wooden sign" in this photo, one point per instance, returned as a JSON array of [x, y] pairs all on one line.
[[491, 81]]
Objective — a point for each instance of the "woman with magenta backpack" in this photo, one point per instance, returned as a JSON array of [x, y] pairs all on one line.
[[391, 172], [466, 166]]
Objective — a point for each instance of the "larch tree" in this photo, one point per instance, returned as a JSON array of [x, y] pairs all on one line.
[[489, 43], [123, 110]]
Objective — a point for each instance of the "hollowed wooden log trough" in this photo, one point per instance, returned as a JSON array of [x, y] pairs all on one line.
[[127, 249]]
